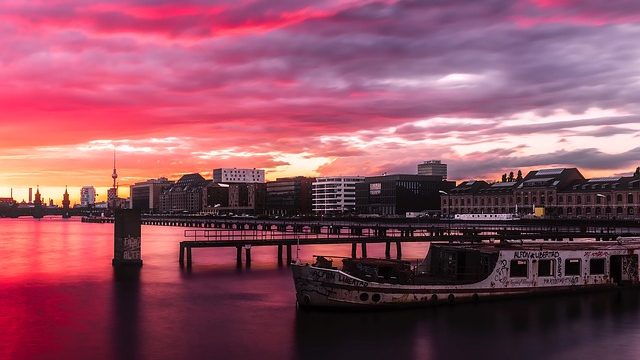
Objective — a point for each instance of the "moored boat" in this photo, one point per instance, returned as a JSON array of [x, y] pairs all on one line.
[[468, 272]]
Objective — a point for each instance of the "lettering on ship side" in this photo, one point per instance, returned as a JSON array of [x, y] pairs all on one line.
[[351, 281], [318, 275], [536, 255]]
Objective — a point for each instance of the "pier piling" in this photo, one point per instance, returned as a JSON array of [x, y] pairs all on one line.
[[387, 249], [239, 256], [189, 258], [247, 250], [289, 258], [280, 254], [399, 249]]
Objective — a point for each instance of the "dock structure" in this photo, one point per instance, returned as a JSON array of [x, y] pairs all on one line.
[[310, 235], [600, 229]]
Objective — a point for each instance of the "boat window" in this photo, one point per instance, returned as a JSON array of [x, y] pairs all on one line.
[[518, 268], [596, 266], [484, 265], [572, 267], [546, 267]]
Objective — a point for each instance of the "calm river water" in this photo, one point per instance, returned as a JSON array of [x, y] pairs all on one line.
[[60, 299]]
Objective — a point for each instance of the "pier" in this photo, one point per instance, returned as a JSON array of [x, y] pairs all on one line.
[[245, 239]]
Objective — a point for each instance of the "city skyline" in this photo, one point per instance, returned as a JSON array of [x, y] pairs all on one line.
[[314, 88]]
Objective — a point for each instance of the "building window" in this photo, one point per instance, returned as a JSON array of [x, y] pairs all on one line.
[[569, 199], [619, 198], [578, 199], [572, 267], [546, 267], [596, 266], [630, 198], [560, 199], [519, 268]]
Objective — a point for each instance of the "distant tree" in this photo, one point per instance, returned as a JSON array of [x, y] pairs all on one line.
[[637, 173], [519, 177], [504, 177], [511, 177]]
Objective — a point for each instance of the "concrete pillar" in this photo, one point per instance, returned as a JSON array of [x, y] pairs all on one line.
[[247, 250], [181, 258], [239, 256], [364, 249], [289, 257], [280, 254], [399, 249], [387, 249], [189, 257], [127, 238], [354, 247]]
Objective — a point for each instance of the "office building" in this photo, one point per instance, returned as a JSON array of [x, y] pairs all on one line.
[[433, 168], [335, 194], [560, 192], [87, 196], [233, 175], [145, 196], [289, 196], [395, 195], [186, 195]]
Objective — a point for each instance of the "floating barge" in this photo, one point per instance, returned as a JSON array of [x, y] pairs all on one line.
[[453, 273]]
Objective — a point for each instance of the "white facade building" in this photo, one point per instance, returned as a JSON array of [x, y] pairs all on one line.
[[233, 175], [335, 194], [433, 167], [87, 195]]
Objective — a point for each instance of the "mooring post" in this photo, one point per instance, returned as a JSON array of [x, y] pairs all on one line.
[[399, 249], [247, 249], [181, 259], [239, 256], [387, 249], [289, 258], [189, 258], [279, 254], [354, 247], [364, 249]]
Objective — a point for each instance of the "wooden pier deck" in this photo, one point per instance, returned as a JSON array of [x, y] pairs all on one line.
[[246, 239]]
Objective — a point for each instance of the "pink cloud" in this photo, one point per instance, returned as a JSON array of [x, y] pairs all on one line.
[[344, 81]]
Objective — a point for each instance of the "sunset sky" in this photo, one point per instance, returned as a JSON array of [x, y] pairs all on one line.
[[316, 87]]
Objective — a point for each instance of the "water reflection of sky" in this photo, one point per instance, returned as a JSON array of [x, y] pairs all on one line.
[[60, 298]]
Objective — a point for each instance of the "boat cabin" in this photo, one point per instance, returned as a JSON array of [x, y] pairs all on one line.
[[463, 264]]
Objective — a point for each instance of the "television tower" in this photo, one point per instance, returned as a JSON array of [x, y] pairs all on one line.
[[112, 194], [115, 174]]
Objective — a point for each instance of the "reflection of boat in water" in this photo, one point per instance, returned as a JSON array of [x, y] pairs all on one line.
[[468, 272]]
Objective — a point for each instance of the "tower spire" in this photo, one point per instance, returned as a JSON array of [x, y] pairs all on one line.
[[115, 173]]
